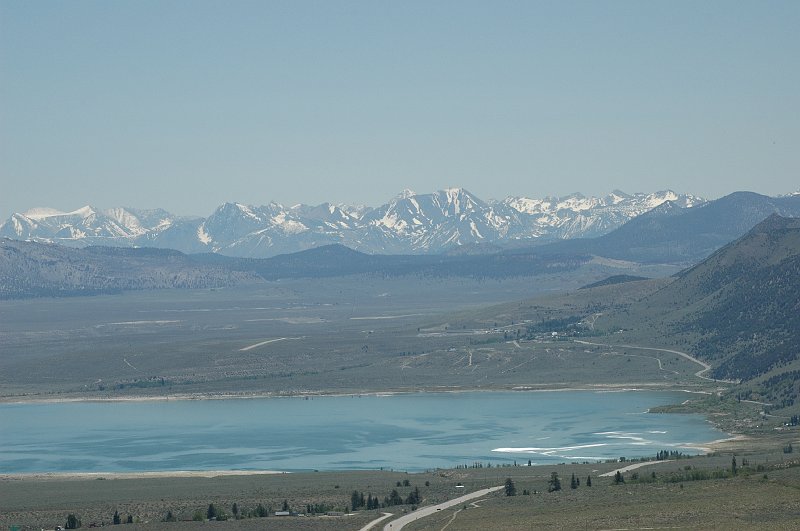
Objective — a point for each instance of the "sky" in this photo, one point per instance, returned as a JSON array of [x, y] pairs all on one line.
[[185, 105]]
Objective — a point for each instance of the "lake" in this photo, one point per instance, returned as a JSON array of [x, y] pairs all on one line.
[[402, 432]]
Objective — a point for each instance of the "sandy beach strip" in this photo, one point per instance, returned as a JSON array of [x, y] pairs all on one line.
[[238, 395], [717, 444], [136, 475]]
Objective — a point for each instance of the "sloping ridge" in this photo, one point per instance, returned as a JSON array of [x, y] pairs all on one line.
[[739, 308], [338, 260], [30, 269], [614, 280], [754, 321]]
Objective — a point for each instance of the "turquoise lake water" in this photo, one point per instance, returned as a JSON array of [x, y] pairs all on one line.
[[401, 432]]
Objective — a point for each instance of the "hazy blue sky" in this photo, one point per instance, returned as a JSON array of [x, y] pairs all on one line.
[[187, 104]]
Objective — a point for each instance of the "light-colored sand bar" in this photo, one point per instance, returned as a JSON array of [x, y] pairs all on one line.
[[140, 475]]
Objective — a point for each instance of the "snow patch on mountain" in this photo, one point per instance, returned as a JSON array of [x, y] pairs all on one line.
[[202, 235]]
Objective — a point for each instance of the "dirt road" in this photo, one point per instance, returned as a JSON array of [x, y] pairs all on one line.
[[699, 374]]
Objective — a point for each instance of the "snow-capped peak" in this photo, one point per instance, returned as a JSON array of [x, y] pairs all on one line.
[[246, 210], [42, 212], [83, 212], [88, 224], [616, 197], [405, 194]]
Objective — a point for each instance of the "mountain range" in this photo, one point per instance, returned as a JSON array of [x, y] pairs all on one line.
[[669, 235], [410, 223]]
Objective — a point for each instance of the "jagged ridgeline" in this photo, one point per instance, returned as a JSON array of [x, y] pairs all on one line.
[[408, 224]]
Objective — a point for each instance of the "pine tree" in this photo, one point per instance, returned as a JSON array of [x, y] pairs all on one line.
[[413, 497], [211, 512], [619, 478], [554, 483], [734, 470], [588, 481], [116, 520], [573, 484], [511, 489], [395, 498]]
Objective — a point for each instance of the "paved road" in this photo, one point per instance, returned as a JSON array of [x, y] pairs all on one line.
[[397, 525]]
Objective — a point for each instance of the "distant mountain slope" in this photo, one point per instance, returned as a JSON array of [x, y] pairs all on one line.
[[612, 280], [577, 216], [29, 269], [87, 225], [408, 224], [338, 260], [750, 322], [739, 309], [669, 234]]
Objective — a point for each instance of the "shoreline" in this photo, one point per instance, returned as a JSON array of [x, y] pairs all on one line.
[[539, 388], [718, 444], [705, 448], [150, 474]]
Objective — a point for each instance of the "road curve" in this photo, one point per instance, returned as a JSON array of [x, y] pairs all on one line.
[[376, 522], [422, 512], [699, 374]]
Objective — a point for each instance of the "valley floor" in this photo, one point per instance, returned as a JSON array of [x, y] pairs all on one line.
[[214, 345]]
